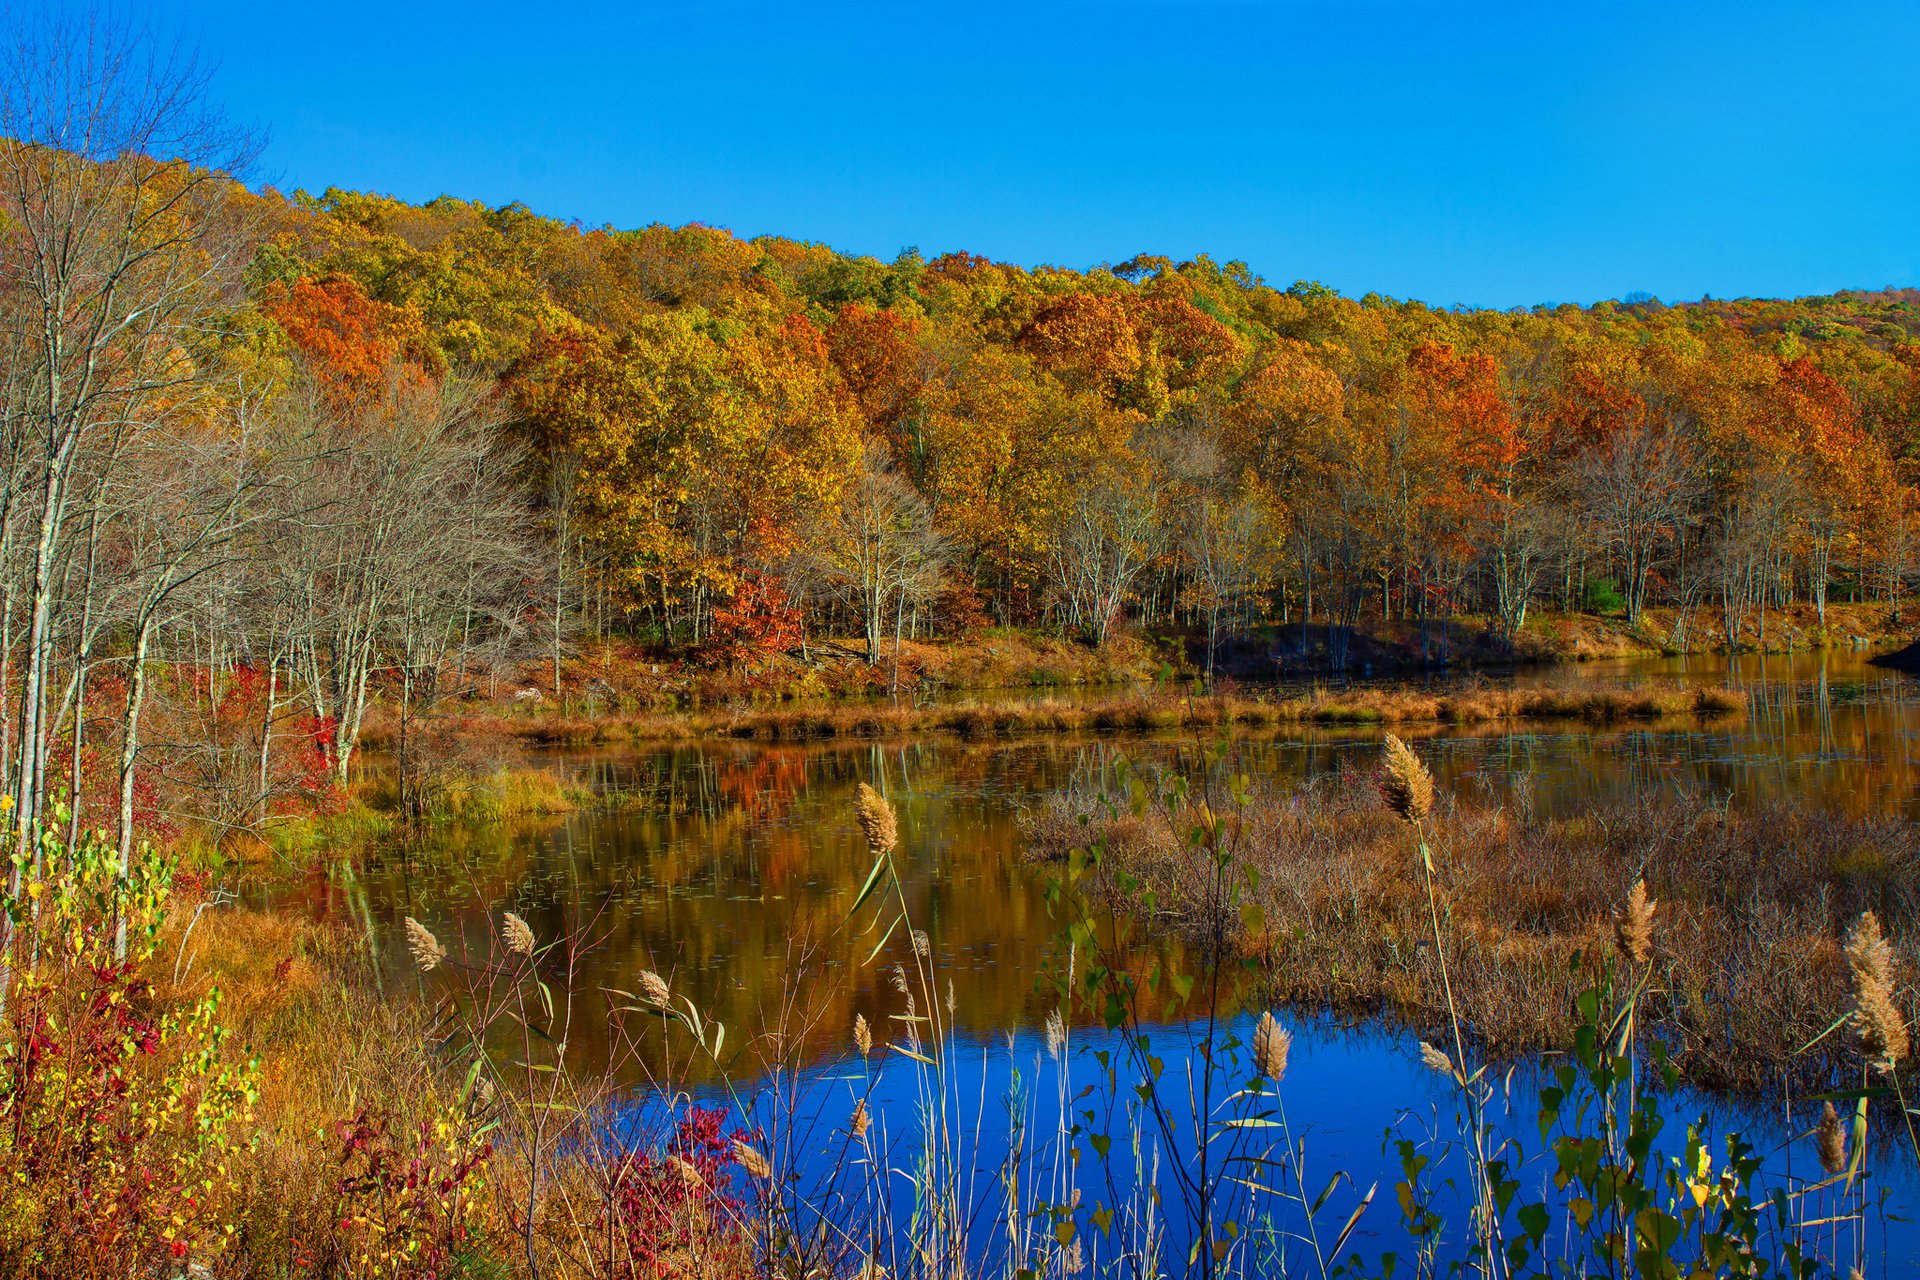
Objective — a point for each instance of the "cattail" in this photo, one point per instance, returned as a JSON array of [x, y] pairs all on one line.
[[1633, 925], [1406, 784], [922, 944], [1876, 1019], [516, 934], [653, 987], [1435, 1059], [1271, 1044], [752, 1161], [427, 951], [862, 1034], [862, 1120], [876, 820], [1831, 1139]]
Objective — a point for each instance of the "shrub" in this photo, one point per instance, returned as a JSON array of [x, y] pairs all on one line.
[[1603, 596], [117, 1118]]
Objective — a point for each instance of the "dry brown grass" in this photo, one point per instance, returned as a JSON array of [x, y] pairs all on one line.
[[335, 1041], [304, 1001], [1753, 910], [1128, 713]]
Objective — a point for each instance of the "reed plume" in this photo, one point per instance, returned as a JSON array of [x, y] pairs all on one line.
[[1876, 1019], [689, 1174], [752, 1161], [1406, 784], [427, 951], [1056, 1035], [1633, 925], [516, 935], [877, 820], [1271, 1045], [862, 1034], [862, 1120], [1434, 1059], [653, 987], [1831, 1139]]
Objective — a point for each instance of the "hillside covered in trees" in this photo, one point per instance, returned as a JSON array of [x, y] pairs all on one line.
[[323, 446], [734, 438]]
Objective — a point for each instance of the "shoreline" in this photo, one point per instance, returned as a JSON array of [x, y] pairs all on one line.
[[1158, 711], [1005, 684]]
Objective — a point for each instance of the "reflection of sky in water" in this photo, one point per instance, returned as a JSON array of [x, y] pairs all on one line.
[[1348, 1096], [735, 875]]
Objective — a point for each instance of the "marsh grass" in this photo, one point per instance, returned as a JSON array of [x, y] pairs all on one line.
[[1140, 712], [1343, 921]]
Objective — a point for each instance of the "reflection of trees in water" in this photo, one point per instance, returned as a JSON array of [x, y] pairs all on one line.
[[731, 866]]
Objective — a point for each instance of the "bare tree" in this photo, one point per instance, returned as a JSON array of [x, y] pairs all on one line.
[[877, 548], [402, 540], [1744, 541], [120, 248], [1106, 537], [1637, 485], [1229, 549]]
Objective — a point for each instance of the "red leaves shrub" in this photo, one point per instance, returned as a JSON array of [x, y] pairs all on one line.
[[756, 624], [115, 1111], [670, 1208]]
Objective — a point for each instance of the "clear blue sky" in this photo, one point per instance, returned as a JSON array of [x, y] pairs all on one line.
[[1494, 154]]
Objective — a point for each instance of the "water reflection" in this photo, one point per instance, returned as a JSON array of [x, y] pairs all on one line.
[[731, 866]]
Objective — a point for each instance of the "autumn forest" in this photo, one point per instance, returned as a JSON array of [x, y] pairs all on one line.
[[727, 442]]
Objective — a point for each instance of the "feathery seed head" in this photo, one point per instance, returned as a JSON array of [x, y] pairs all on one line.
[[653, 987], [1056, 1035], [427, 951], [1405, 783], [877, 820], [516, 935], [1831, 1139], [1633, 925], [862, 1120], [1271, 1045], [862, 1034], [1435, 1059], [752, 1161], [1877, 1023]]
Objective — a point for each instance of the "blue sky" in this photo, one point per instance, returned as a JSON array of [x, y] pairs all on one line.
[[1488, 154]]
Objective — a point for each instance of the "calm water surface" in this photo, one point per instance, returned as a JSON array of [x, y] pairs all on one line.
[[731, 868]]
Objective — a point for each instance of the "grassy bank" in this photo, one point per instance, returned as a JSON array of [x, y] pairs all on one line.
[[619, 677], [1128, 713], [1335, 909]]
